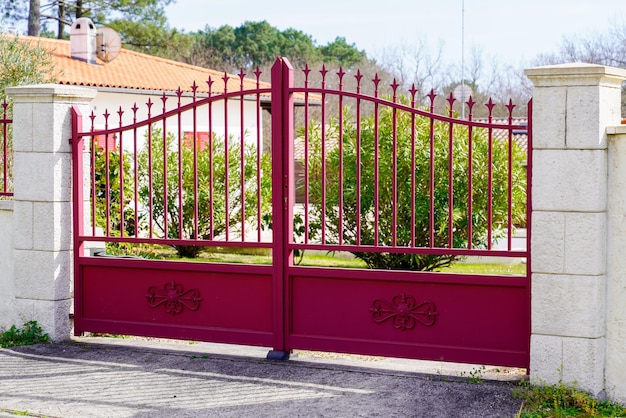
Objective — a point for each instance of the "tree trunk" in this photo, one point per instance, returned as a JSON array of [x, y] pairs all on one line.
[[61, 26], [34, 18]]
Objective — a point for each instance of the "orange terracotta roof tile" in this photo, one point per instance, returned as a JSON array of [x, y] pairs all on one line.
[[134, 70]]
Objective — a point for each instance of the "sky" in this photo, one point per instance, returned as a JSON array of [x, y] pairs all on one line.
[[513, 31]]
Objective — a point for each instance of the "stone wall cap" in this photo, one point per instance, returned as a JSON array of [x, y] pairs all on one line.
[[616, 130], [579, 68], [579, 71], [56, 90]]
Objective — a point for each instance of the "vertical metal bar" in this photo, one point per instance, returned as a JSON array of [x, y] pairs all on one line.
[[490, 106], [413, 91], [195, 162], [107, 176], [78, 218], [5, 158], [394, 168], [323, 133], [259, 145], [470, 167], [358, 78], [211, 177], [431, 204], [92, 175], [282, 194], [226, 162], [165, 147], [135, 172], [529, 172], [376, 80], [288, 183], [306, 72], [150, 182], [121, 171], [340, 74], [242, 180], [510, 107], [529, 211], [181, 216], [451, 101]]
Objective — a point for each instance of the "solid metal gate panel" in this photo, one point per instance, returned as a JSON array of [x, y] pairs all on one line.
[[396, 314]]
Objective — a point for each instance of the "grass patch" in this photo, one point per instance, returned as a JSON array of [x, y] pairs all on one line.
[[486, 268], [310, 258], [562, 400], [31, 333]]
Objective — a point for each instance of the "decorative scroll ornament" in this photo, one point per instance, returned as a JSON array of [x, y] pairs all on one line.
[[173, 297], [403, 312]]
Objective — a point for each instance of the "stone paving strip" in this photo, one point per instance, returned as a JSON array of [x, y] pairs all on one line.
[[85, 379], [85, 387]]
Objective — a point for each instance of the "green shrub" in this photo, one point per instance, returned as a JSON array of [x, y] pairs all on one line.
[[399, 123], [562, 400], [210, 184], [30, 333]]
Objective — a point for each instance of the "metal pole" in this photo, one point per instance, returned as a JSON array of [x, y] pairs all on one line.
[[463, 59]]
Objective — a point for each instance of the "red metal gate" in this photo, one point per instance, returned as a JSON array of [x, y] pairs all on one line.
[[366, 181]]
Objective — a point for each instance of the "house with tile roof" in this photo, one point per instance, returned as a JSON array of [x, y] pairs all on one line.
[[137, 79]]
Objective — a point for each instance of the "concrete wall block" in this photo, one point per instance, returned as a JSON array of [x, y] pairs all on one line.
[[549, 104], [52, 316], [23, 226], [569, 306], [42, 177], [55, 318], [572, 180], [585, 243], [546, 359], [48, 131], [24, 311], [22, 127], [589, 111], [42, 274], [548, 242], [615, 375], [583, 118], [52, 226], [583, 363]]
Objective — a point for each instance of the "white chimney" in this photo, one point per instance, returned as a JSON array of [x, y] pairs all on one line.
[[83, 40]]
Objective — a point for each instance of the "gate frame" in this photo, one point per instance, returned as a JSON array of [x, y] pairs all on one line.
[[284, 274]]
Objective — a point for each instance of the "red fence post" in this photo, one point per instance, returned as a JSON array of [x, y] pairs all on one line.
[[78, 220], [282, 198]]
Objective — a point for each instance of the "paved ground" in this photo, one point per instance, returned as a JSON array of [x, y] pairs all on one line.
[[97, 377]]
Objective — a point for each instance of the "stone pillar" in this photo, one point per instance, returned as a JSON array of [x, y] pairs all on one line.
[[42, 231], [7, 316], [615, 375], [572, 106]]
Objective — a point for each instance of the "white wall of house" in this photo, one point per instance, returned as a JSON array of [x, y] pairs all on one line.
[[112, 100]]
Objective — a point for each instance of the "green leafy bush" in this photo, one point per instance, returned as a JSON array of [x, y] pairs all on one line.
[[31, 333], [210, 209], [376, 215], [562, 400], [112, 201]]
